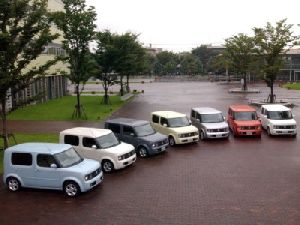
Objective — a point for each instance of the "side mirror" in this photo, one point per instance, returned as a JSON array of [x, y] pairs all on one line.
[[224, 118], [53, 166], [94, 146], [131, 134], [165, 125], [190, 122], [198, 120]]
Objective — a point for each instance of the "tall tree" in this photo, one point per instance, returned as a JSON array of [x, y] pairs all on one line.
[[166, 63], [222, 63], [24, 32], [240, 50], [77, 24], [272, 43]]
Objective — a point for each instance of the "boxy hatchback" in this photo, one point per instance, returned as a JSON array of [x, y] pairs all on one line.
[[50, 166], [243, 121]]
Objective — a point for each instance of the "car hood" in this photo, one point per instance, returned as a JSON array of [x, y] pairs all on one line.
[[186, 129], [120, 149], [284, 122], [86, 166], [220, 125], [154, 137], [248, 122]]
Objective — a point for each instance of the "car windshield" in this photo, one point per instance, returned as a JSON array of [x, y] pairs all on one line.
[[107, 141], [245, 116], [212, 118], [68, 158], [144, 130], [178, 122], [280, 115]]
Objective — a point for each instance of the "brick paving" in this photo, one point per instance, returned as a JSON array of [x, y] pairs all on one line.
[[239, 181]]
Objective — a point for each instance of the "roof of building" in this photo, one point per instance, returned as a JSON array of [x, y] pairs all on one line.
[[127, 121], [206, 110], [168, 114], [86, 131], [276, 107], [38, 147]]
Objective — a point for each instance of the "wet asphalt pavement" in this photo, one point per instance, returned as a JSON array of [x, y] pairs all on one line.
[[237, 181]]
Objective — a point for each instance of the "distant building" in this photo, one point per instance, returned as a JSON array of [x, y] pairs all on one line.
[[51, 86], [153, 51], [291, 70]]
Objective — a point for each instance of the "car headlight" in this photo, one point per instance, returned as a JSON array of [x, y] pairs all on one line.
[[120, 157], [210, 130], [275, 127], [154, 145], [180, 135], [88, 177]]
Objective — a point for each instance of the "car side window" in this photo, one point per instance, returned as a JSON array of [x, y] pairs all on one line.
[[199, 117], [71, 139], [127, 130], [262, 111], [88, 142], [163, 121], [155, 118], [45, 160], [193, 114], [21, 159], [114, 128]]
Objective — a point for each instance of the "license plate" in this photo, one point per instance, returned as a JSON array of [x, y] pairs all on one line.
[[249, 133]]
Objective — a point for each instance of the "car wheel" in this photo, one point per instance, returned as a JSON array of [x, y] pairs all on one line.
[[202, 136], [269, 131], [107, 166], [171, 141], [143, 152], [71, 189], [13, 184]]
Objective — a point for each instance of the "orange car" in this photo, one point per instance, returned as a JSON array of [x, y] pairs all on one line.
[[243, 121]]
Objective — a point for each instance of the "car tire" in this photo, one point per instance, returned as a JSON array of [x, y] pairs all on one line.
[[71, 189], [107, 166], [13, 184], [202, 136], [171, 141], [142, 151]]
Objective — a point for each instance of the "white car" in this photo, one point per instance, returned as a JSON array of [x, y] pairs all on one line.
[[278, 120], [176, 126], [101, 145]]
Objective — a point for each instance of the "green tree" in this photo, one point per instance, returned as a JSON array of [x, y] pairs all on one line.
[[272, 43], [189, 64], [77, 24], [222, 62], [166, 63], [24, 32], [105, 57], [205, 55], [240, 50]]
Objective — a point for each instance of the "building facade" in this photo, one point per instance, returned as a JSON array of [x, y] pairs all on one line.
[[53, 84]]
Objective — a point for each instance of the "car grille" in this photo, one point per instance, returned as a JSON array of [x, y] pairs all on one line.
[[189, 134], [96, 172], [286, 127], [248, 128], [129, 154], [159, 143], [218, 130]]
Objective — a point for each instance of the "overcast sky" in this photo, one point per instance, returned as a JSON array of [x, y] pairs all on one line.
[[180, 25]]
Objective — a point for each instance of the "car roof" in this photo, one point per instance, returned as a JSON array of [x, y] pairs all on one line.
[[242, 108], [86, 131], [276, 107], [168, 114], [127, 121], [206, 110], [38, 147]]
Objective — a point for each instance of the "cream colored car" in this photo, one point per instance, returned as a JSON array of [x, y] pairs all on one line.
[[176, 126]]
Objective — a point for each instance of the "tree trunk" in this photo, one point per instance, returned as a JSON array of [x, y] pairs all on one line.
[[4, 123], [105, 100], [127, 84], [245, 82], [272, 91], [121, 83]]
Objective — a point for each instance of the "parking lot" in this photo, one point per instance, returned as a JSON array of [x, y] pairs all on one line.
[[218, 182]]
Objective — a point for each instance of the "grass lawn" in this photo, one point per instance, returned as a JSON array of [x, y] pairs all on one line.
[[62, 109], [21, 138], [293, 86]]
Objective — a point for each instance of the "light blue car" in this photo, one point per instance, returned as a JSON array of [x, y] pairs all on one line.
[[50, 166]]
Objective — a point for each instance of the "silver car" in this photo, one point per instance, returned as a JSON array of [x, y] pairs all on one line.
[[210, 123]]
